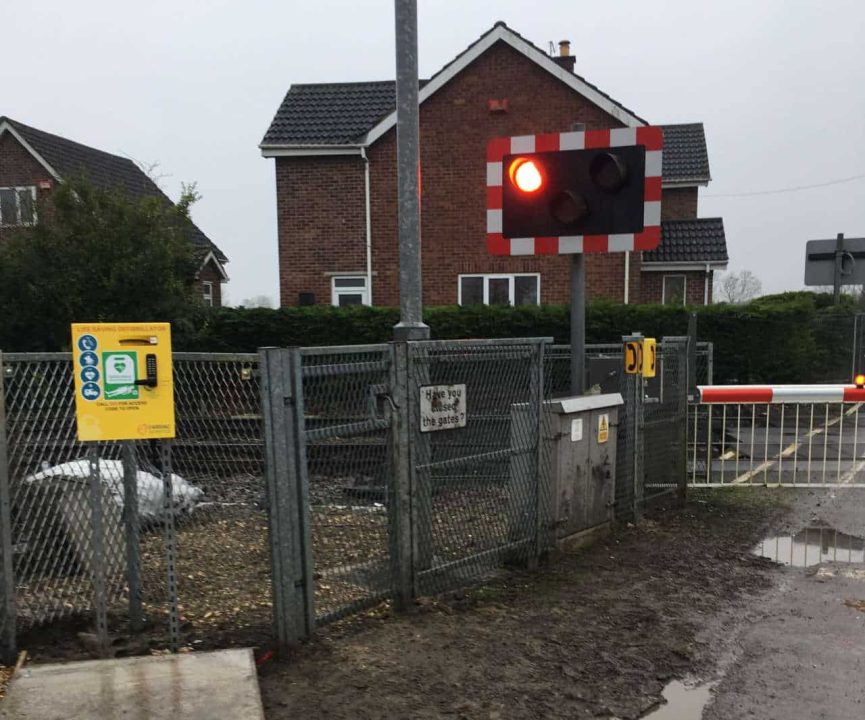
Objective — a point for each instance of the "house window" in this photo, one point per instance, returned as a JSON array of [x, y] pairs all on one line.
[[673, 291], [207, 292], [500, 289], [349, 290], [17, 205]]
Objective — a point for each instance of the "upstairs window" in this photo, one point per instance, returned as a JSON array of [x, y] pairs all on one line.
[[17, 206], [207, 292], [673, 292], [500, 289]]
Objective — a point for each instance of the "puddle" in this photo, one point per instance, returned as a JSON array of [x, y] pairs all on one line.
[[684, 701], [811, 546]]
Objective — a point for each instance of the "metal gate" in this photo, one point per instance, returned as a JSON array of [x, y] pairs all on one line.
[[803, 444], [378, 494]]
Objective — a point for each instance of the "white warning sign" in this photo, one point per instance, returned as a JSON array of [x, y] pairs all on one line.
[[442, 407]]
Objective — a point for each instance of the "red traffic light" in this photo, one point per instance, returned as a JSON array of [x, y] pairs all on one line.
[[525, 175]]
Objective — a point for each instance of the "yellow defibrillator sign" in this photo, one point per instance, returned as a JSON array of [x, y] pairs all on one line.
[[124, 385], [650, 357]]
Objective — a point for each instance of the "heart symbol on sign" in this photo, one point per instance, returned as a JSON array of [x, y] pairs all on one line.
[[119, 364]]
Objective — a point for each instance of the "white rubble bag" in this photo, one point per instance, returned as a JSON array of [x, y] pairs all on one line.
[[185, 496]]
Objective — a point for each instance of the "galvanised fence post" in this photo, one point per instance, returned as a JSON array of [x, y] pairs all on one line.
[[130, 523], [399, 507], [283, 444], [7, 570]]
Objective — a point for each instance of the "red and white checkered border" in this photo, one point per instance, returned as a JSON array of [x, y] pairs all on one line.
[[651, 137]]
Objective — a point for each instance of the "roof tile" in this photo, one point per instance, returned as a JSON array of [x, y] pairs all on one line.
[[699, 240]]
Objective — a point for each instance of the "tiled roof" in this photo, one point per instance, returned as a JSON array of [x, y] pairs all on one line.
[[104, 170], [330, 114], [342, 113], [685, 156], [700, 240]]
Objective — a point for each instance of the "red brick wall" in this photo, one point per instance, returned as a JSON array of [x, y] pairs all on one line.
[[679, 204], [320, 200], [209, 273], [652, 283], [321, 226], [19, 168]]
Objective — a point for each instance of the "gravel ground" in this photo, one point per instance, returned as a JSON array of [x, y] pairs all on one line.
[[597, 633]]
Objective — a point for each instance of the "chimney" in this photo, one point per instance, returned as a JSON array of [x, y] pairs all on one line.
[[565, 59]]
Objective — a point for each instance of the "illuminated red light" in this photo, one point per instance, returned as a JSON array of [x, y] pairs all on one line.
[[526, 175]]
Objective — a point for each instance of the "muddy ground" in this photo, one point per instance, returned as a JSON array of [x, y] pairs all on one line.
[[595, 633]]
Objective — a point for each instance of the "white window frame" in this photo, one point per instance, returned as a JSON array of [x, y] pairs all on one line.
[[511, 277], [207, 291], [336, 293], [684, 288], [18, 189]]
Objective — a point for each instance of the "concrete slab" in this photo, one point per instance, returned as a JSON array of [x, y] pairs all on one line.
[[195, 686]]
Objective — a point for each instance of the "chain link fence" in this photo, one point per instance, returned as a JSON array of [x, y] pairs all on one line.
[[89, 524], [348, 446], [356, 498], [482, 491]]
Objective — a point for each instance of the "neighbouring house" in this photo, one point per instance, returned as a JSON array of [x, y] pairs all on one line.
[[32, 162], [334, 147]]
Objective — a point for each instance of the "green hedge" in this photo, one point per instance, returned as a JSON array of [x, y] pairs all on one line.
[[787, 338]]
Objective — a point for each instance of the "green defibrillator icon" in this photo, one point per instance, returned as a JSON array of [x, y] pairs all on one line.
[[120, 371]]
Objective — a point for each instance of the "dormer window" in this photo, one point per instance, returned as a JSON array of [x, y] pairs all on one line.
[[17, 206]]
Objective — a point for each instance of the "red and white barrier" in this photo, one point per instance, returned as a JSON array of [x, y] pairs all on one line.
[[778, 394]]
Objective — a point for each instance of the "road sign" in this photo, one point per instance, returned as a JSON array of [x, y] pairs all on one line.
[[822, 257], [124, 387], [574, 192], [650, 357], [633, 354]]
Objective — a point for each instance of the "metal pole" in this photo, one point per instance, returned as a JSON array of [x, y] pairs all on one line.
[[130, 522], [7, 567], [839, 254], [411, 325], [170, 544], [399, 507], [692, 380], [97, 551], [578, 323]]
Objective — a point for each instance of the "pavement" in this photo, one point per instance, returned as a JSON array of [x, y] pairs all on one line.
[[194, 686]]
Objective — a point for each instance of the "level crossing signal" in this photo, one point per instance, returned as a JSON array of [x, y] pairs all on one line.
[[575, 192]]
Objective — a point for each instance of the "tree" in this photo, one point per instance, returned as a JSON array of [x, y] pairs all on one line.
[[739, 288], [96, 256]]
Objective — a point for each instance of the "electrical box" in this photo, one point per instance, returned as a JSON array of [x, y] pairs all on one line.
[[584, 462], [124, 385]]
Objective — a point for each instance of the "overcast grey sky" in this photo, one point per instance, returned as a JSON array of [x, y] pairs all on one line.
[[193, 85]]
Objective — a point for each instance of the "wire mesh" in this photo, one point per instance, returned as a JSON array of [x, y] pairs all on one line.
[[480, 491], [663, 425], [347, 416], [216, 505]]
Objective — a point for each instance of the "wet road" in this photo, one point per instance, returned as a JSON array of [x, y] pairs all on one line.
[[800, 652]]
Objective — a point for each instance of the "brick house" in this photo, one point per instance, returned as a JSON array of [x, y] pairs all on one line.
[[32, 162], [334, 147]]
